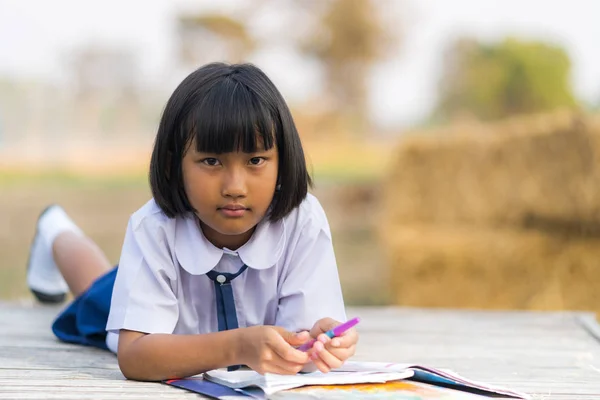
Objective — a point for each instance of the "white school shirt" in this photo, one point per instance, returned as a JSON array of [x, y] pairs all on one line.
[[161, 287]]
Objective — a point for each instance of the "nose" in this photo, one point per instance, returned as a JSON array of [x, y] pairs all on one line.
[[234, 183]]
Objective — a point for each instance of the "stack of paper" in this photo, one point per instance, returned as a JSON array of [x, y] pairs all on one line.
[[400, 378], [272, 383], [435, 377]]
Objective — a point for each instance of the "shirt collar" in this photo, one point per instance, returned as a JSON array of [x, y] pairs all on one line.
[[198, 256]]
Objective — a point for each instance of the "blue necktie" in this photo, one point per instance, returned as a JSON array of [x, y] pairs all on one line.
[[224, 295], [226, 314]]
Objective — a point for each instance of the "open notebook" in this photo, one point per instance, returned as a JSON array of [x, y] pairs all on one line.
[[246, 383], [272, 383], [438, 377]]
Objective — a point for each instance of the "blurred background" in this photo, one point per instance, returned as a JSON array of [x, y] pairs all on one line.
[[455, 145]]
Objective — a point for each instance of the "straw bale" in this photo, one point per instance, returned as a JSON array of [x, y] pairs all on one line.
[[437, 266], [542, 170], [505, 215]]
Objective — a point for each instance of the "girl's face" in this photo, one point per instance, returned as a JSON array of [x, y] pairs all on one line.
[[231, 192]]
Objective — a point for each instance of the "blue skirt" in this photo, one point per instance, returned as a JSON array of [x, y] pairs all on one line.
[[84, 320]]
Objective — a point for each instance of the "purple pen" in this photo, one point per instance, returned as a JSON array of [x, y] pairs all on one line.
[[337, 331]]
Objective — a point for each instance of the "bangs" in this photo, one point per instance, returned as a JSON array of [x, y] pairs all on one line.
[[222, 108], [230, 117]]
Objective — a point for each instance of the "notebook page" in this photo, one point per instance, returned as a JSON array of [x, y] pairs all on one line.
[[272, 383], [446, 376]]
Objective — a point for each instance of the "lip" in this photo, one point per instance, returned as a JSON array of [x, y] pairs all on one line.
[[233, 207], [233, 210]]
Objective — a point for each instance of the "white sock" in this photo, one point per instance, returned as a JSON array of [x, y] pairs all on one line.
[[43, 275], [54, 222]]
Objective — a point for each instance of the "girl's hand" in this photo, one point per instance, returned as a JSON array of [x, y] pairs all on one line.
[[271, 349], [328, 354]]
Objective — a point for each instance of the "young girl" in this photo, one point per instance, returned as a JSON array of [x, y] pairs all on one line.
[[230, 263]]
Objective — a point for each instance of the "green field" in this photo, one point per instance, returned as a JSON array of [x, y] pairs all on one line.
[[101, 205]]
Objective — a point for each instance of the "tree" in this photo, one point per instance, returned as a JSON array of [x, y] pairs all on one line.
[[345, 37], [213, 37], [350, 37], [491, 81]]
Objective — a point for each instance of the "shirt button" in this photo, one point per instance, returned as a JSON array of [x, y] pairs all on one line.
[[221, 279]]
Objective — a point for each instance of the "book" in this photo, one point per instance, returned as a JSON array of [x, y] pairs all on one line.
[[352, 378], [272, 383], [437, 377], [396, 390], [246, 383], [198, 384]]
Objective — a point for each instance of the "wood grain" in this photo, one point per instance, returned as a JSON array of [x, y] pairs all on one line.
[[551, 355]]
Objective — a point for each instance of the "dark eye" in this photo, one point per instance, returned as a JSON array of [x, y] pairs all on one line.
[[257, 160], [210, 161]]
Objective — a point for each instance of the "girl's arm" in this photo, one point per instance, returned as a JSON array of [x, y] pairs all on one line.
[[155, 357], [311, 293]]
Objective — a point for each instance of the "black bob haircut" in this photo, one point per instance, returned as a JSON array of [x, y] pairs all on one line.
[[226, 108]]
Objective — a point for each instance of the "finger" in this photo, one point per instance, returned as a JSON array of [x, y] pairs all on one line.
[[346, 340], [323, 338], [343, 353], [290, 368], [322, 326], [318, 346], [329, 359], [299, 338], [294, 339], [287, 352], [319, 363]]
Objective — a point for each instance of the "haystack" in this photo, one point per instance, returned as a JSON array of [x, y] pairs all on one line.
[[502, 216]]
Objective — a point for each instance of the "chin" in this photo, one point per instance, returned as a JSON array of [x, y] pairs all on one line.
[[233, 232], [233, 229]]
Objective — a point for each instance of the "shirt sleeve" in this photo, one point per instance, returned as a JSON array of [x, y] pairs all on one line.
[[311, 287], [143, 299]]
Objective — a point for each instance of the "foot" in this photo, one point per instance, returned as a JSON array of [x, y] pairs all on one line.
[[43, 276]]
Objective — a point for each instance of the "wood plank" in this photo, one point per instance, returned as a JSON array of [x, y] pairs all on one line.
[[552, 355]]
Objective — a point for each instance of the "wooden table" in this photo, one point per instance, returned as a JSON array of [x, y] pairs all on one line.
[[551, 355]]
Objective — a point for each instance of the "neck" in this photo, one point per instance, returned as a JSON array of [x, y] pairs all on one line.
[[219, 240]]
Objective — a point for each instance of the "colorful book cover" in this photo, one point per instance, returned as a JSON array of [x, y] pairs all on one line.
[[397, 390], [198, 385]]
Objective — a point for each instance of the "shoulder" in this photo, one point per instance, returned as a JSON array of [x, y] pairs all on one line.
[[308, 216], [150, 226], [149, 237], [149, 216], [311, 209]]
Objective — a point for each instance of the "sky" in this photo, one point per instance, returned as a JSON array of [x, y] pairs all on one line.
[[37, 36]]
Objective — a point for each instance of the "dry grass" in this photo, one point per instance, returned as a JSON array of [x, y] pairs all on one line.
[[493, 268], [503, 216], [500, 175], [102, 200]]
